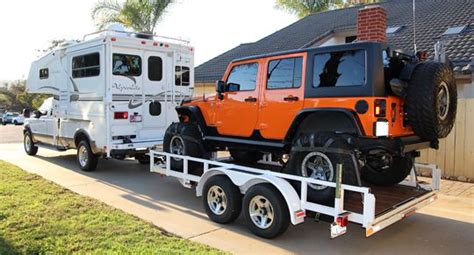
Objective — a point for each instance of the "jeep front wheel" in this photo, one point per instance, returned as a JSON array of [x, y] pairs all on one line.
[[184, 139]]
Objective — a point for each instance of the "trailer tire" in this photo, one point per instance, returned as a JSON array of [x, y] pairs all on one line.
[[143, 159], [86, 159], [245, 157], [222, 200], [185, 139], [397, 172], [265, 210], [30, 148]]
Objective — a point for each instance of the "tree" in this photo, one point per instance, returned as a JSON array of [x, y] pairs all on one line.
[[139, 15], [303, 8]]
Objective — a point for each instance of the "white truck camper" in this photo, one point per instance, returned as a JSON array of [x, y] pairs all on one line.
[[113, 95]]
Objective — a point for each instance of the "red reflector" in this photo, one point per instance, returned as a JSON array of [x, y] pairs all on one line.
[[120, 115], [167, 45], [155, 44], [300, 214], [143, 42], [113, 39], [342, 220]]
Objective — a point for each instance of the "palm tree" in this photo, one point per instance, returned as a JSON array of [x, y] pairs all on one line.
[[139, 15]]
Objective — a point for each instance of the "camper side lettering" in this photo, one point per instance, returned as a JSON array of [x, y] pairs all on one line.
[[121, 87]]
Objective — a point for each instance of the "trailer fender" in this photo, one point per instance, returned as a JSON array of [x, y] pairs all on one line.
[[245, 181]]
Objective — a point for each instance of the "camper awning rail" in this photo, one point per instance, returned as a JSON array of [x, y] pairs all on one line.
[[136, 33]]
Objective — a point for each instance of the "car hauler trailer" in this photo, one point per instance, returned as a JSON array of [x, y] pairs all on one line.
[[270, 201], [113, 94]]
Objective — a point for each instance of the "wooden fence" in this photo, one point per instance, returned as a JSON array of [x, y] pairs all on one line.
[[456, 152]]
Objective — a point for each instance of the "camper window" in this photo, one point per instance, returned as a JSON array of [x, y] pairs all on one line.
[[155, 68], [181, 76], [86, 65], [127, 65], [44, 73]]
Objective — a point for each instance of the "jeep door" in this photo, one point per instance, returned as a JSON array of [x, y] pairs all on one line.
[[282, 94], [237, 112]]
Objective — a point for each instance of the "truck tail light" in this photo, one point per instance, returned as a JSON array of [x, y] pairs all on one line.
[[380, 108], [120, 115]]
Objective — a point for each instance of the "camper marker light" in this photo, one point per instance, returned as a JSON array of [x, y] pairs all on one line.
[[167, 45], [121, 115], [143, 42], [113, 39], [155, 44]]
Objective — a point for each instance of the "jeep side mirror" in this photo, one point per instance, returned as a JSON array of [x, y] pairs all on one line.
[[220, 86]]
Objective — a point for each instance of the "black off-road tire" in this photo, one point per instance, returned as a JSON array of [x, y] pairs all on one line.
[[190, 136], [92, 159], [245, 157], [422, 106], [233, 199], [397, 172], [281, 218], [324, 195], [143, 159], [30, 148]]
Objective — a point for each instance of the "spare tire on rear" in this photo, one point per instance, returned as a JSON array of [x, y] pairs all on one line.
[[432, 100]]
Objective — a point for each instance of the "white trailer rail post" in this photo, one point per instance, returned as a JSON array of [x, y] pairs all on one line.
[[245, 178]]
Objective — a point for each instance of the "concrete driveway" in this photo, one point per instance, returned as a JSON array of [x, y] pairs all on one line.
[[446, 227]]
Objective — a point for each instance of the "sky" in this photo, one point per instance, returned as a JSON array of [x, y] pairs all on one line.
[[212, 26]]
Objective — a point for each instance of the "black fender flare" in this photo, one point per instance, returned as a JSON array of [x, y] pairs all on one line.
[[352, 122], [194, 114]]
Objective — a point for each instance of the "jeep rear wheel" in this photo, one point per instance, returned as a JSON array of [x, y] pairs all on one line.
[[432, 100], [306, 160], [392, 174], [185, 139]]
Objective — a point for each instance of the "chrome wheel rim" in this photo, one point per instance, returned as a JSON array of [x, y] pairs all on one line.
[[261, 212], [443, 101], [83, 156], [216, 200], [318, 166], [177, 146], [27, 143]]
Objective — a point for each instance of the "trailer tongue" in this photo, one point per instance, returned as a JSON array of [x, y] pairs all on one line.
[[265, 193]]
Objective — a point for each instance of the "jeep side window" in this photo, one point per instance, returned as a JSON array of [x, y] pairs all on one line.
[[126, 65], [245, 76], [86, 65], [181, 76], [284, 73], [338, 69]]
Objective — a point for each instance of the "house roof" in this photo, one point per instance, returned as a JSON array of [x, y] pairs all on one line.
[[433, 18]]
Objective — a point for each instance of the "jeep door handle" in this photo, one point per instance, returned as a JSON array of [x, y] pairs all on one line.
[[251, 99], [291, 98]]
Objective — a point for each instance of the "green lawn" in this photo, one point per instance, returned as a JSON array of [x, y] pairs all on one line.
[[37, 216]]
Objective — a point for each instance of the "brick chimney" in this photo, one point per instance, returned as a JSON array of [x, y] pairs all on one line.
[[371, 24]]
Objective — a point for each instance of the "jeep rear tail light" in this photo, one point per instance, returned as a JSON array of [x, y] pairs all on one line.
[[380, 108], [120, 115]]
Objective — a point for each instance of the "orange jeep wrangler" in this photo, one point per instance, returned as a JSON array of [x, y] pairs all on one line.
[[359, 104]]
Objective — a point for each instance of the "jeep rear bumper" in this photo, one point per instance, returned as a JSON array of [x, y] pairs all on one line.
[[396, 145]]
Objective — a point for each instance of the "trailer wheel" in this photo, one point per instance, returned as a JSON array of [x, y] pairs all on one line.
[[185, 139], [387, 176], [86, 159], [265, 210], [30, 148], [222, 199]]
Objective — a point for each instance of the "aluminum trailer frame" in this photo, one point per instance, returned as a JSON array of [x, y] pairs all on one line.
[[245, 177]]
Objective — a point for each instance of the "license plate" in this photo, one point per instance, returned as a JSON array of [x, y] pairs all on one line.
[[136, 118]]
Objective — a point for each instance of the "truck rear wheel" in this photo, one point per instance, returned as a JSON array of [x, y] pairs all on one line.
[[265, 210], [432, 100], [86, 159], [186, 140], [398, 170], [30, 148], [222, 199], [245, 157], [320, 165]]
